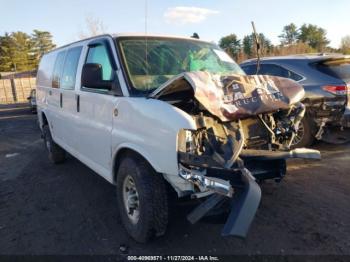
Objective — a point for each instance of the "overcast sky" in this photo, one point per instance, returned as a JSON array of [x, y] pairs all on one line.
[[209, 18]]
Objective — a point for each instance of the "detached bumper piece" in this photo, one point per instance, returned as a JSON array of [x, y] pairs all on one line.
[[243, 208], [245, 195], [244, 205]]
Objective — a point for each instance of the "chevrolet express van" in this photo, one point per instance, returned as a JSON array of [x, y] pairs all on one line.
[[157, 113]]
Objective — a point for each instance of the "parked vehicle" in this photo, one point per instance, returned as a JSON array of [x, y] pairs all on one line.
[[325, 78], [32, 101], [145, 112]]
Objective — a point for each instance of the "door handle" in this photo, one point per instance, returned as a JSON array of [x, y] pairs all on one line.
[[61, 97], [77, 97]]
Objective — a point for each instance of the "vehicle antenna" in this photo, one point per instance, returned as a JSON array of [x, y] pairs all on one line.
[[257, 44], [146, 47]]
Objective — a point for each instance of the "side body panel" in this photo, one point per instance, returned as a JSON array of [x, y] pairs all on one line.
[[150, 127], [43, 84], [66, 123], [94, 129]]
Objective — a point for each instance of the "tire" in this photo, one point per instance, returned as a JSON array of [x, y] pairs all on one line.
[[306, 135], [148, 217], [56, 154]]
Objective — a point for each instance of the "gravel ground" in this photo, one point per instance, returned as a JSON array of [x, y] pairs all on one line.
[[68, 209]]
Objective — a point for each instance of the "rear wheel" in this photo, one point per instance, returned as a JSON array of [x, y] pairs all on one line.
[[142, 199], [56, 154], [305, 135]]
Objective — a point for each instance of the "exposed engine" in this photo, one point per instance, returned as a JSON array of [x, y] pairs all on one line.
[[242, 122], [219, 144]]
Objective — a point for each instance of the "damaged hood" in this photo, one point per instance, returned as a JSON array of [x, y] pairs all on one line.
[[233, 96]]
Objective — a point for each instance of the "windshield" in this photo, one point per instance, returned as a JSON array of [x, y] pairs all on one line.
[[151, 63]]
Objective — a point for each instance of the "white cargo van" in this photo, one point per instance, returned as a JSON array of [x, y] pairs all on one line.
[[145, 112]]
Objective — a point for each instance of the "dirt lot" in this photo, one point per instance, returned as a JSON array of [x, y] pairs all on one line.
[[68, 209]]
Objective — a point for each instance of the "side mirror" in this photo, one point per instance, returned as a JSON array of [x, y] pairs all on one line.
[[91, 77]]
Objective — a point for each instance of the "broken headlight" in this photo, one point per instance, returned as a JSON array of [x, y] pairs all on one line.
[[187, 141]]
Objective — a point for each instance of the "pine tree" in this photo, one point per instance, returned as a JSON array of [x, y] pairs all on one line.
[[7, 53], [22, 45], [41, 43]]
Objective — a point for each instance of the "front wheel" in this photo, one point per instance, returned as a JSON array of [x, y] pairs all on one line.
[[142, 199], [305, 135]]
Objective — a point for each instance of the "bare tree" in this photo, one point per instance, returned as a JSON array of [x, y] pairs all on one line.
[[345, 45], [93, 26]]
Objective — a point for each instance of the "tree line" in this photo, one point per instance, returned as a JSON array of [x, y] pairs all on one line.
[[22, 52], [307, 38]]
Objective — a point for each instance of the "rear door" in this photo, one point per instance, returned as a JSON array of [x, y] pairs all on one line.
[[68, 113], [53, 99]]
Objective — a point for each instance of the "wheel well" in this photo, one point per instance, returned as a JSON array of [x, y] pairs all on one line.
[[122, 153], [130, 152], [44, 119]]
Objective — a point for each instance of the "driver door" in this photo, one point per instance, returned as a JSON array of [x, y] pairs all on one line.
[[95, 109]]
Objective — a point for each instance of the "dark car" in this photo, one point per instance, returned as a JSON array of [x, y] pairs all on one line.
[[326, 80], [32, 101]]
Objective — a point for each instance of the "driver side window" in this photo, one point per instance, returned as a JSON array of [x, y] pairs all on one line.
[[99, 55]]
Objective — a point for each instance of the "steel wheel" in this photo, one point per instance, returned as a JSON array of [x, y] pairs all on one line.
[[131, 199], [142, 198]]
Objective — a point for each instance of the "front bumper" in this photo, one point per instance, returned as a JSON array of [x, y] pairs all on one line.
[[244, 205], [237, 185]]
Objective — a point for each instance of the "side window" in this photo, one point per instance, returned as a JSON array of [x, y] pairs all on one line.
[[99, 55], [56, 75], [295, 76], [70, 68], [249, 69], [275, 70]]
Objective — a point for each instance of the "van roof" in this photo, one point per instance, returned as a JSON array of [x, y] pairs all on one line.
[[128, 35]]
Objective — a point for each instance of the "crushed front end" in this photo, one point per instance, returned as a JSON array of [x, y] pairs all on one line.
[[239, 140], [225, 161]]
